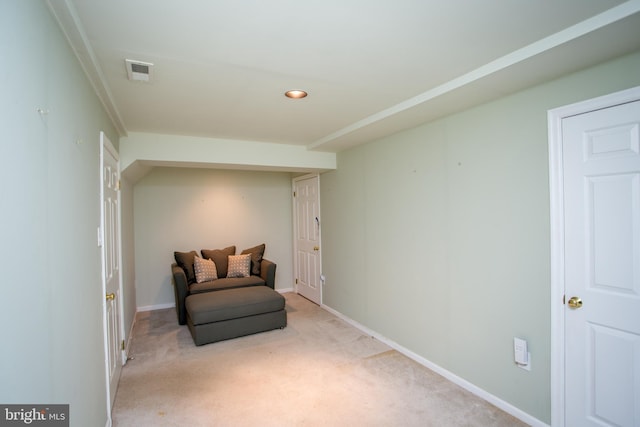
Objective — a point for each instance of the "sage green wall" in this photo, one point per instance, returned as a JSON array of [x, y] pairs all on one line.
[[438, 237], [178, 209], [51, 321]]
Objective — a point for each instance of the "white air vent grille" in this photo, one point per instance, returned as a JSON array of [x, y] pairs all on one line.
[[138, 70]]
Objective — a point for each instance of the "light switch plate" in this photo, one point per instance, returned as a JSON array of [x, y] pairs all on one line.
[[520, 352]]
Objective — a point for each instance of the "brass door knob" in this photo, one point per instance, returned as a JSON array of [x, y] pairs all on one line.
[[316, 248], [575, 302], [111, 296]]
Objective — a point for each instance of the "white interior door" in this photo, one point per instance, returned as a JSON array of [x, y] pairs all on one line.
[[110, 242], [601, 162], [307, 237]]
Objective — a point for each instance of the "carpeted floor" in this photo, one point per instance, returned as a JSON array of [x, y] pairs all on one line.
[[318, 371]]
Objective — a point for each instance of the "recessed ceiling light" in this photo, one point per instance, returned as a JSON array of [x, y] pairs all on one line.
[[295, 94]]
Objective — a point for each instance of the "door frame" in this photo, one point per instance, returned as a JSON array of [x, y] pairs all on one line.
[[295, 228], [106, 145], [556, 193]]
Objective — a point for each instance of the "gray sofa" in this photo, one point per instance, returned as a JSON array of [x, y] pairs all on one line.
[[263, 273]]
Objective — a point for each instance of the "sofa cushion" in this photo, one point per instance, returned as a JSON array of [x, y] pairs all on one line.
[[226, 283], [233, 304], [185, 261], [220, 257], [239, 265], [256, 257], [205, 269]]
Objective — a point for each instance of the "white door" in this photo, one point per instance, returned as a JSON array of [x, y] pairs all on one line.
[[110, 239], [601, 162], [307, 237]]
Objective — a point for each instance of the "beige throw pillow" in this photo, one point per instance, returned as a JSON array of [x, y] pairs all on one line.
[[205, 270], [239, 265]]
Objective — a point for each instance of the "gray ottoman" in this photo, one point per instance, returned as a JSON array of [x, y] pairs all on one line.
[[230, 313]]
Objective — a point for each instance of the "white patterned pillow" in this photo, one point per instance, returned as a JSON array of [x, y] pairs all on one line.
[[239, 265], [205, 269]]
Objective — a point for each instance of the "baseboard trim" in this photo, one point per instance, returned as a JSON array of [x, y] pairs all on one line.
[[483, 394], [155, 307], [284, 291]]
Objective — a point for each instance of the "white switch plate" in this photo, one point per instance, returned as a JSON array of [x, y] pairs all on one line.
[[521, 354], [520, 351]]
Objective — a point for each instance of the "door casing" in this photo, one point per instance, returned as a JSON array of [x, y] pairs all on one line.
[[556, 174]]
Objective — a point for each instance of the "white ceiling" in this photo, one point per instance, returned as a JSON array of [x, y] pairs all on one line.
[[371, 67]]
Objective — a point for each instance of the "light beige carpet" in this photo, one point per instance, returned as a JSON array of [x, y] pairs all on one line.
[[318, 371]]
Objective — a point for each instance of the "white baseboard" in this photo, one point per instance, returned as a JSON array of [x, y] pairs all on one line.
[[496, 401], [155, 307], [285, 290]]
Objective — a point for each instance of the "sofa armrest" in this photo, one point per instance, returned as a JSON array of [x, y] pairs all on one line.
[[181, 289], [268, 273]]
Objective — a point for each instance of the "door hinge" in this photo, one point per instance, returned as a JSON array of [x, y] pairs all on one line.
[[296, 281], [563, 299], [118, 185], [294, 194], [122, 345]]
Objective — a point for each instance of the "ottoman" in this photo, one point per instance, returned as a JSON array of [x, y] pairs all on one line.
[[230, 313]]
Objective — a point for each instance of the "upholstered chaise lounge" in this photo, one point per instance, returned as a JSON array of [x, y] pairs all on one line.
[[222, 295]]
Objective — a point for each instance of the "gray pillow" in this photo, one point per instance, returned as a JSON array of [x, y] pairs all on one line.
[[256, 258], [185, 260], [220, 257]]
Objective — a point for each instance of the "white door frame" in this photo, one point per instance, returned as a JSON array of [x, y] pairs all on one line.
[[105, 144], [556, 174], [295, 225]]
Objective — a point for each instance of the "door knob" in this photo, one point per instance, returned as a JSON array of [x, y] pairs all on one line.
[[111, 296], [575, 302], [316, 248]]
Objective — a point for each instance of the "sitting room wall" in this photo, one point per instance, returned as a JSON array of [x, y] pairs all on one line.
[[181, 209]]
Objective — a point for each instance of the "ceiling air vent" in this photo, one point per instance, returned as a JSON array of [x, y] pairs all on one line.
[[138, 71]]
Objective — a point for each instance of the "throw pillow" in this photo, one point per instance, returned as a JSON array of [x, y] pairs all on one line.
[[256, 258], [205, 270], [239, 265], [220, 257], [185, 260]]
